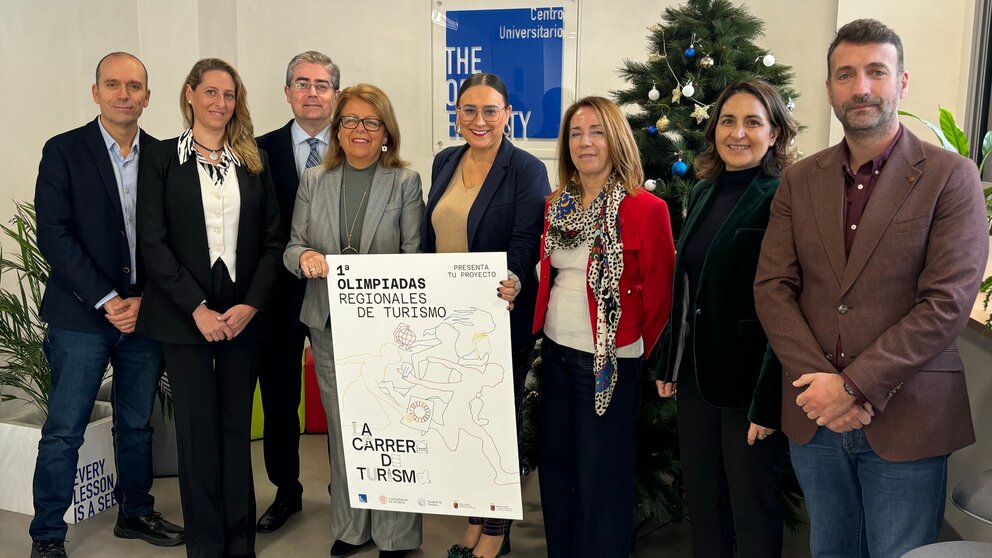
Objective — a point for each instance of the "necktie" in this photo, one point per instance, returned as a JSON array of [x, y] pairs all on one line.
[[313, 159]]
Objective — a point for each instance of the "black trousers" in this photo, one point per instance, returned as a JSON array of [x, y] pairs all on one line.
[[732, 488], [212, 388], [586, 460], [280, 376]]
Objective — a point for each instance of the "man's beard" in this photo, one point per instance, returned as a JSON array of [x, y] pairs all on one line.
[[866, 126]]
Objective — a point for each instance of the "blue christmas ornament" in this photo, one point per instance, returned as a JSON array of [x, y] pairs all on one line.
[[690, 52], [652, 130], [679, 168]]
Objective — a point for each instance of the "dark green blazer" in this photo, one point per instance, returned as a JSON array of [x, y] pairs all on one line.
[[730, 346]]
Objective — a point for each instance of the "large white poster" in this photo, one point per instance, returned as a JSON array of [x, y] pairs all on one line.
[[425, 383]]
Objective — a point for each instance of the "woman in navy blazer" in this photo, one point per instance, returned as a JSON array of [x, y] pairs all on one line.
[[488, 196]]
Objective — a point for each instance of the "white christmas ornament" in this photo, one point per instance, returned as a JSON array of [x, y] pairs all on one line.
[[650, 185], [768, 60], [688, 90], [654, 94]]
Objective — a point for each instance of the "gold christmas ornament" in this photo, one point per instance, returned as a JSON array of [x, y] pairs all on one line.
[[676, 94], [654, 57], [706, 62], [700, 113], [662, 124]]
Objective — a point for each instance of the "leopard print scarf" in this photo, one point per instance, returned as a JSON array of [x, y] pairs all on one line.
[[569, 226]]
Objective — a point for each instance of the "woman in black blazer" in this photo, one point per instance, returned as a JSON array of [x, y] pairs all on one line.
[[208, 228], [488, 196], [714, 349]]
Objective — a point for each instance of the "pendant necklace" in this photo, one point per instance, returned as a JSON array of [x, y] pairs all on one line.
[[214, 155], [349, 249]]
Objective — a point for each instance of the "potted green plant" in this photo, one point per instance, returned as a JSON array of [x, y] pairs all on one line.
[[952, 138], [23, 366], [25, 376]]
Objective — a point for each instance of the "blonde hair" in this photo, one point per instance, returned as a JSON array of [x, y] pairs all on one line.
[[380, 102], [239, 131], [624, 156]]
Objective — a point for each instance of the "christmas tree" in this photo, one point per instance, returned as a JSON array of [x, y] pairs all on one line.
[[697, 50]]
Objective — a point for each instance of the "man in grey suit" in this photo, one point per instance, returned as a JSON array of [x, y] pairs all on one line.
[[868, 273], [312, 82]]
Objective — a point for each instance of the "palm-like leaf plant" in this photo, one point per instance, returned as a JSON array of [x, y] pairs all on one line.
[[23, 367]]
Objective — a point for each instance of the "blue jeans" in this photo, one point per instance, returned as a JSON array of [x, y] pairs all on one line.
[[78, 360], [861, 505]]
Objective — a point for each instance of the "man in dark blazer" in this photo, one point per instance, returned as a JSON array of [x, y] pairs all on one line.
[[868, 272], [312, 82], [85, 200]]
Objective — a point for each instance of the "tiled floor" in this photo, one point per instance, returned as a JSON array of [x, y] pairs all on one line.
[[306, 535]]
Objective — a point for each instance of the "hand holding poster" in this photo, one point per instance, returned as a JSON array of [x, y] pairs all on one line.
[[425, 383]]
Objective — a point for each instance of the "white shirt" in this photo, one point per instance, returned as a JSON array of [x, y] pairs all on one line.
[[567, 320], [221, 215]]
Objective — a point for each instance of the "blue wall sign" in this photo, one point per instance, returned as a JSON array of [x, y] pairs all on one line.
[[522, 46]]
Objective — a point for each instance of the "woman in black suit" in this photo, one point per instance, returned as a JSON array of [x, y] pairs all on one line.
[[208, 228], [488, 196], [714, 349]]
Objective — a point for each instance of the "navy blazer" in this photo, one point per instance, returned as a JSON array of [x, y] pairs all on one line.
[[81, 228], [507, 216], [287, 296], [173, 241]]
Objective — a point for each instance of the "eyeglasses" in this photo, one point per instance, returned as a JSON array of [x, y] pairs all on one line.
[[352, 122], [322, 87], [489, 112]]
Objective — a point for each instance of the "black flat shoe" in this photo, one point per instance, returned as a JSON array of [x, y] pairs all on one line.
[[48, 549], [276, 515], [150, 528], [340, 549], [393, 553]]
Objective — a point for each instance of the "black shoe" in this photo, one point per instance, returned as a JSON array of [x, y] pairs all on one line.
[[276, 516], [150, 528], [393, 553], [340, 549], [48, 549]]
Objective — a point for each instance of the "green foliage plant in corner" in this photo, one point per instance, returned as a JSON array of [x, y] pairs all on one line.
[[23, 366], [952, 138]]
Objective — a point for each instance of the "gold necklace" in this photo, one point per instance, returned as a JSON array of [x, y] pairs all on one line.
[[349, 249]]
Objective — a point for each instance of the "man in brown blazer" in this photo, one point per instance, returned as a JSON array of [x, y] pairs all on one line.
[[868, 272]]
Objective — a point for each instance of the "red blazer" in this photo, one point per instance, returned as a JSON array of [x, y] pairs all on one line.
[[646, 282]]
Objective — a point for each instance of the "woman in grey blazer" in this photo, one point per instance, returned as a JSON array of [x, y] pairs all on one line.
[[360, 200]]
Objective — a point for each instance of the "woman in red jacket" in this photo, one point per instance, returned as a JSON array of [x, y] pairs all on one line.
[[604, 296]]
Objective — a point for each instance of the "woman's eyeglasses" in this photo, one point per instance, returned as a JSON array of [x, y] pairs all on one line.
[[352, 122], [489, 112]]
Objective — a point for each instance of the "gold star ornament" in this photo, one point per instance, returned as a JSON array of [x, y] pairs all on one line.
[[700, 113]]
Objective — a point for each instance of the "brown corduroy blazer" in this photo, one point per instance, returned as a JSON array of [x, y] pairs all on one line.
[[898, 301]]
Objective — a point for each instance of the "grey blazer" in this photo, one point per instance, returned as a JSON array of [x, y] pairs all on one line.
[[391, 225]]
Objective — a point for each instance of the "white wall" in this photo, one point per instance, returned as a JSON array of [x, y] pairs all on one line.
[[937, 50], [48, 50]]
